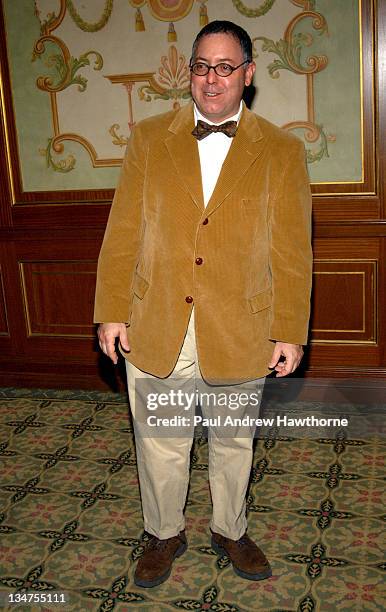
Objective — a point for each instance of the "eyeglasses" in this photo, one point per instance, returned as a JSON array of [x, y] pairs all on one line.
[[222, 69]]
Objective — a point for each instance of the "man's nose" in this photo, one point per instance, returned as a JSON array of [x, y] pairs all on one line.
[[211, 77]]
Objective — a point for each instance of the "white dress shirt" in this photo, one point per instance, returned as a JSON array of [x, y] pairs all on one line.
[[212, 150]]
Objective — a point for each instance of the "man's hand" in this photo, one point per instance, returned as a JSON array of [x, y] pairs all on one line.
[[107, 333], [292, 354]]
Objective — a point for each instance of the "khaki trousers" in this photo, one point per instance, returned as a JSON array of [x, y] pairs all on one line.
[[163, 462]]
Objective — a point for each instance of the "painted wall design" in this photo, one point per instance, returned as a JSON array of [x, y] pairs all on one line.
[[84, 71]]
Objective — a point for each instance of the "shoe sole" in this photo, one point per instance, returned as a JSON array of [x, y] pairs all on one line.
[[260, 576], [147, 584]]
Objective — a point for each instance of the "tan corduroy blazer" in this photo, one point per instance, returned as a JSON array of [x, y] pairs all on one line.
[[244, 261]]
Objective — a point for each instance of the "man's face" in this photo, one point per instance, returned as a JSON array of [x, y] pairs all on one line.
[[216, 97]]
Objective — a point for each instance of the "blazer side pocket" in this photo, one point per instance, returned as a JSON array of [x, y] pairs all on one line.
[[260, 301], [140, 286]]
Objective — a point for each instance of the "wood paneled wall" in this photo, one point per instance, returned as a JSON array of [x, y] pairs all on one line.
[[49, 244]]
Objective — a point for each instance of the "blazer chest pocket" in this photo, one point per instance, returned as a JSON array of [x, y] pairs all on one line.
[[260, 301], [253, 203], [140, 286]]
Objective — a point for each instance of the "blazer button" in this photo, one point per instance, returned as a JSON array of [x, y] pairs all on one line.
[[199, 261], [205, 221], [189, 299]]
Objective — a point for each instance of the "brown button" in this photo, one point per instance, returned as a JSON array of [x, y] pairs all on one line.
[[199, 261], [205, 221], [189, 299]]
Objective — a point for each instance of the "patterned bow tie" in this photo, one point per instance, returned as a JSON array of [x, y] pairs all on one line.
[[202, 129]]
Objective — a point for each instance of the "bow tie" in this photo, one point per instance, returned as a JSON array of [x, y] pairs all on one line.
[[202, 129]]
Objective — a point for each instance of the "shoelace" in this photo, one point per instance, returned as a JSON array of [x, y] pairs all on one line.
[[159, 544], [241, 541]]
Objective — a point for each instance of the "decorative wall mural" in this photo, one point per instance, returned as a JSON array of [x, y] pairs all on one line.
[[89, 26], [289, 50], [168, 10], [307, 54], [170, 83], [66, 66], [253, 12]]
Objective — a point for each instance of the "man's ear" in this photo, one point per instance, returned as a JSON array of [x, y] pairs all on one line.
[[250, 71]]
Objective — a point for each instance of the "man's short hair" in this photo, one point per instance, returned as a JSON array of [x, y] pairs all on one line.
[[226, 27]]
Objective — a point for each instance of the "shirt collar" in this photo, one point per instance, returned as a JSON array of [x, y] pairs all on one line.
[[198, 115]]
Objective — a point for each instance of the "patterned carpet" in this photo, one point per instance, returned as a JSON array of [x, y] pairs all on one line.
[[71, 518]]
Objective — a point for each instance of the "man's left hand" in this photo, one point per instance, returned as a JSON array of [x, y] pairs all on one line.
[[292, 354]]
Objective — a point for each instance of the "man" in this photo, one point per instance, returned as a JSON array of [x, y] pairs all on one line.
[[204, 274]]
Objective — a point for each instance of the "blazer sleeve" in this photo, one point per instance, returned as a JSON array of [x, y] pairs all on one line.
[[122, 240], [290, 250]]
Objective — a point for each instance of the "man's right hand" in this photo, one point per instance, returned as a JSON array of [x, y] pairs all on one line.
[[107, 334]]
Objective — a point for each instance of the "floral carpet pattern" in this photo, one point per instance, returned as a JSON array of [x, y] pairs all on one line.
[[70, 516]]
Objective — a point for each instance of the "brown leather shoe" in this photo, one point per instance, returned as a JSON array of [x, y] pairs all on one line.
[[248, 560], [155, 565]]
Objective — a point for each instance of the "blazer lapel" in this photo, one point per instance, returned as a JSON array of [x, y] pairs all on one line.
[[183, 150], [247, 145]]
